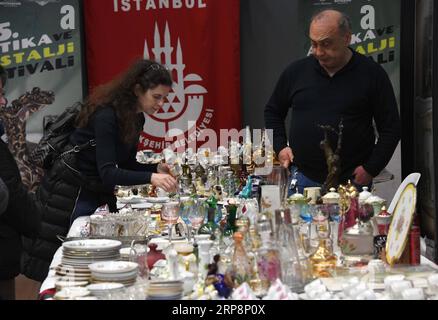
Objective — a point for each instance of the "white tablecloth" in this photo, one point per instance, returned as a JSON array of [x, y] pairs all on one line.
[[75, 230]]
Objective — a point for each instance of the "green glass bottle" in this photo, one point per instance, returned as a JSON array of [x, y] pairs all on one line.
[[210, 226], [230, 226]]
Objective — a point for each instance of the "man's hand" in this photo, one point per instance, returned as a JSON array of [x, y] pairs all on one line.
[[361, 177], [164, 181], [286, 157]]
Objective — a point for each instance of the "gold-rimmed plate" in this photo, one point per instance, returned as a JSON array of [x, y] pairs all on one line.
[[92, 245]]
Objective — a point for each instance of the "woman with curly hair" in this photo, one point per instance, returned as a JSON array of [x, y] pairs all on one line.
[[112, 119]]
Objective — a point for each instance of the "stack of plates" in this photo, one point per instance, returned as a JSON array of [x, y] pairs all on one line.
[[81, 253], [165, 290], [78, 254], [102, 290], [70, 273], [123, 272]]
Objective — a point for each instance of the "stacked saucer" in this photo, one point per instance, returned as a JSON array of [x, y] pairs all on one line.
[[123, 272], [70, 273], [78, 254], [102, 290], [81, 253], [165, 290]]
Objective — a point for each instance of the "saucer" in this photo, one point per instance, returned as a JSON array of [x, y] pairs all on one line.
[[130, 200]]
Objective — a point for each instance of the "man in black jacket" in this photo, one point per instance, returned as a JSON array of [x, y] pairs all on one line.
[[335, 83], [21, 214]]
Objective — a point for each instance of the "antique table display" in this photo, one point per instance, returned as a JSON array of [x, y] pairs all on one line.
[[230, 232]]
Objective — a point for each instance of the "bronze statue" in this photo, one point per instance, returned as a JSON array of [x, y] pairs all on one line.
[[333, 158]]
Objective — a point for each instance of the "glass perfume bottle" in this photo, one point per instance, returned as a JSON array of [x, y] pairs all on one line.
[[323, 260], [241, 265], [294, 263], [267, 256], [258, 286], [243, 225]]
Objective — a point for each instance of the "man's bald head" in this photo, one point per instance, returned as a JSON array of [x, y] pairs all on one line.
[[334, 18], [330, 36]]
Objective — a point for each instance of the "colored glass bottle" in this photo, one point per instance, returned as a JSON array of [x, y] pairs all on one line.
[[230, 226], [268, 260], [210, 226], [241, 265]]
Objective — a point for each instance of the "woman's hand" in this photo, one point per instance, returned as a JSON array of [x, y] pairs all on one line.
[[163, 168], [164, 181]]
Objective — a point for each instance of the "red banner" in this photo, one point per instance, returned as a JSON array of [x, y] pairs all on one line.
[[198, 40]]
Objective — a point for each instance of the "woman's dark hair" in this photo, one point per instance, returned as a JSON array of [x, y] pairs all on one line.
[[3, 76], [120, 94]]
